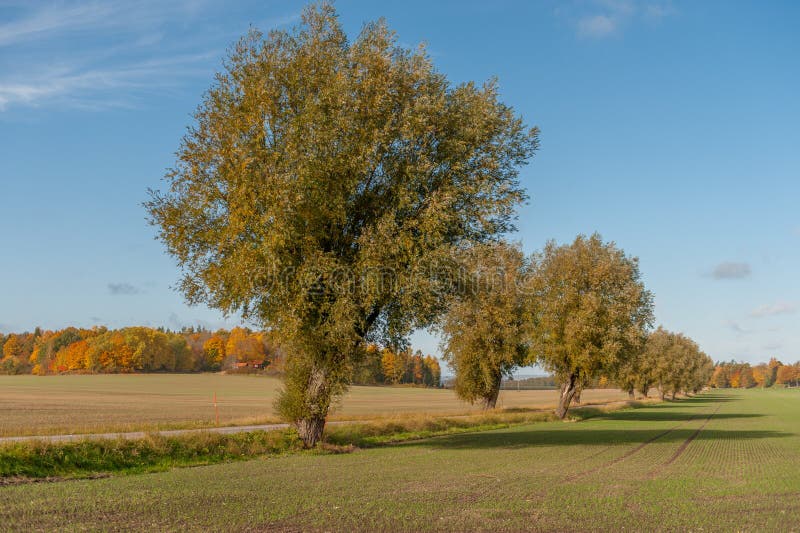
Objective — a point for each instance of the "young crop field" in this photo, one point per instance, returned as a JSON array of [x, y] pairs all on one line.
[[725, 460], [46, 405]]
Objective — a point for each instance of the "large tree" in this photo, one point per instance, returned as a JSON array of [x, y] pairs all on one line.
[[486, 329], [592, 312], [323, 187]]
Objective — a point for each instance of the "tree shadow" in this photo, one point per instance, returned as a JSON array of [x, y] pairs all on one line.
[[581, 437], [656, 416], [705, 398]]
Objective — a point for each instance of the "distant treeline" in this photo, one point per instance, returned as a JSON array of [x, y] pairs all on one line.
[[386, 366], [143, 349], [550, 382], [743, 376]]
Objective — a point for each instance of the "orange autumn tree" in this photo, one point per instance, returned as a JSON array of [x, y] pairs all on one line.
[[72, 357], [788, 374], [394, 366], [214, 350], [16, 354], [761, 375], [244, 346], [736, 378]]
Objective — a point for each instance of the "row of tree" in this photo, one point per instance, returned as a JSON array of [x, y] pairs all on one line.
[[579, 310], [670, 362]]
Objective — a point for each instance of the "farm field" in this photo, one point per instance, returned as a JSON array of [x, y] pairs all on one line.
[[725, 460], [47, 405]]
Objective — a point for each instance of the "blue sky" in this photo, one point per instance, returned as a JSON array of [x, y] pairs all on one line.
[[669, 127]]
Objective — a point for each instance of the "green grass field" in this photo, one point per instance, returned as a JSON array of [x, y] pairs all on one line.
[[46, 405], [726, 460]]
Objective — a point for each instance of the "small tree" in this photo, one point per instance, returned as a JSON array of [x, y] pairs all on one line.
[[592, 312], [322, 191], [486, 329]]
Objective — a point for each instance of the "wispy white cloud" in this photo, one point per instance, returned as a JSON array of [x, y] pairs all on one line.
[[778, 308], [82, 87], [55, 18], [52, 20], [124, 50], [603, 18]]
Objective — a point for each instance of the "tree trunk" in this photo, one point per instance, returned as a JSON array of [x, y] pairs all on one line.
[[489, 401], [631, 395], [310, 430], [317, 398], [662, 394], [568, 390], [673, 396], [577, 397]]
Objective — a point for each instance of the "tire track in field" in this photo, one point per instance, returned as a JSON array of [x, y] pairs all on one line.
[[635, 450], [684, 444]]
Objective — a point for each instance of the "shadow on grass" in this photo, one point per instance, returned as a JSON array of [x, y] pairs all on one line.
[[666, 416], [696, 400], [581, 437], [704, 400]]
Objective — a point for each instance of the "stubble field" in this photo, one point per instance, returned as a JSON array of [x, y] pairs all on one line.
[[47, 405]]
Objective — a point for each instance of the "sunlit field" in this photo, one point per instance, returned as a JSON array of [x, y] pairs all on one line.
[[40, 405], [725, 460]]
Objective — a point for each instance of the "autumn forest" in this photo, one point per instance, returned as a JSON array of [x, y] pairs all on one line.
[[143, 349]]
